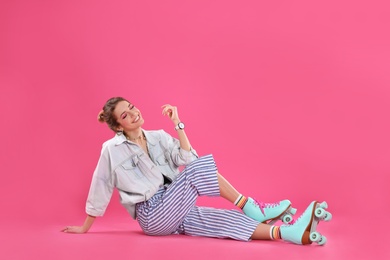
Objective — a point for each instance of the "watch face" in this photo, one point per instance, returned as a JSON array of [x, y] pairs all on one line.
[[181, 126]]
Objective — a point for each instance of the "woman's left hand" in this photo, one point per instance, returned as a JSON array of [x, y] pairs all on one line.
[[171, 111]]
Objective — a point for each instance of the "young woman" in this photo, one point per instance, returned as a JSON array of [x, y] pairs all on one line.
[[144, 167]]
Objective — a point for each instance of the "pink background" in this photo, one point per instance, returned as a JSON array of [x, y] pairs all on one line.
[[291, 97]]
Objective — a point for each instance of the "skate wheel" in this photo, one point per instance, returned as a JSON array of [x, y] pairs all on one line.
[[328, 216], [287, 218], [315, 237], [322, 241], [324, 205], [320, 213], [293, 211]]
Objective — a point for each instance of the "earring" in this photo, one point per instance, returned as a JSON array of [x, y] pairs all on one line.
[[120, 132]]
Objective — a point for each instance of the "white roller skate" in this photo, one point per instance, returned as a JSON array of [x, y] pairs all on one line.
[[269, 213], [303, 230]]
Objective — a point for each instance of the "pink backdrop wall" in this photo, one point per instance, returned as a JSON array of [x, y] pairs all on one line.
[[292, 97]]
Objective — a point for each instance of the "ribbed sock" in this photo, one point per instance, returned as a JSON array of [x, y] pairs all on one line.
[[275, 233], [240, 201]]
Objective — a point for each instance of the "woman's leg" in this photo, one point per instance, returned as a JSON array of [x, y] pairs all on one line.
[[165, 211], [226, 190], [224, 223], [266, 232], [262, 212], [262, 231]]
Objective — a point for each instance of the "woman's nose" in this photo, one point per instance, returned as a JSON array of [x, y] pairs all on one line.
[[133, 113]]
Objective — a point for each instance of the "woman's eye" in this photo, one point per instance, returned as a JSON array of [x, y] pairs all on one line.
[[132, 106], [124, 116]]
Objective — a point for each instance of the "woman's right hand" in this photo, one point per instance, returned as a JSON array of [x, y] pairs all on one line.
[[74, 229], [80, 229]]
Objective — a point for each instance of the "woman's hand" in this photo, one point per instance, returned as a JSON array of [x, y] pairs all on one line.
[[74, 229], [80, 229], [171, 111]]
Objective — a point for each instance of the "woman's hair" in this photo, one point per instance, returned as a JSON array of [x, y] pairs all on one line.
[[107, 113]]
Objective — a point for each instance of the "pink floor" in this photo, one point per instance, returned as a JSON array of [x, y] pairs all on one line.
[[291, 97], [116, 237]]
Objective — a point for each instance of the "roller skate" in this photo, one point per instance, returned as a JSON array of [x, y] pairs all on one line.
[[303, 230], [269, 213]]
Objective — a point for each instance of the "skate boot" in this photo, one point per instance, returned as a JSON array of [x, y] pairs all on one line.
[[269, 213], [303, 230]]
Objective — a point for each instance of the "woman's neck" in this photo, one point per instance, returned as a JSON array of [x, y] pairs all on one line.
[[134, 135]]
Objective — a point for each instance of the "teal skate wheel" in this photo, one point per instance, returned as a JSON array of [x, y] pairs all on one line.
[[320, 213], [315, 237], [328, 216], [287, 218], [322, 241], [324, 205]]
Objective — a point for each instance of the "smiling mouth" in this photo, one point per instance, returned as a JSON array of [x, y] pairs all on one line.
[[136, 119]]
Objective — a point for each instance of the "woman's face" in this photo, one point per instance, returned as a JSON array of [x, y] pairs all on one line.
[[128, 116]]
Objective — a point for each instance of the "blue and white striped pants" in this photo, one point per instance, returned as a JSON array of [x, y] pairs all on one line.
[[172, 209]]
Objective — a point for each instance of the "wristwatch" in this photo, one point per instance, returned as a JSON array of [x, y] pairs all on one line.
[[179, 126]]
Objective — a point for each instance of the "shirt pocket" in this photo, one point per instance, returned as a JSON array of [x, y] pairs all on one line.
[[165, 167], [162, 160], [130, 170]]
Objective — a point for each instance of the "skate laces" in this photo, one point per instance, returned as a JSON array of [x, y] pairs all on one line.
[[296, 220], [263, 205]]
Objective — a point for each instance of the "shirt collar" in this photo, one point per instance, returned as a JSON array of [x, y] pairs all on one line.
[[150, 138], [120, 139]]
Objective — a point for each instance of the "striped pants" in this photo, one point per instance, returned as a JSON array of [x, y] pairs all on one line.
[[172, 209]]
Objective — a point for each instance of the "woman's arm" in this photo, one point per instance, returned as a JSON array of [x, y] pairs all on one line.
[[171, 111], [80, 229], [99, 195]]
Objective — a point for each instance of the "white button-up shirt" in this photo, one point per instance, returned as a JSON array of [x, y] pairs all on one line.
[[125, 165]]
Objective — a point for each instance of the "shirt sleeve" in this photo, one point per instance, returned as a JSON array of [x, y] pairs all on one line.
[[101, 188], [179, 156]]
